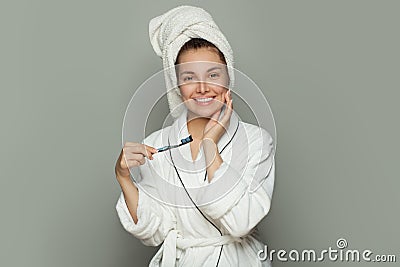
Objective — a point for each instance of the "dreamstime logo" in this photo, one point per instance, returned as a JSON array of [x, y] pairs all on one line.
[[331, 254], [341, 243]]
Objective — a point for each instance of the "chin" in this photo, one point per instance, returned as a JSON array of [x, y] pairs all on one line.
[[203, 112]]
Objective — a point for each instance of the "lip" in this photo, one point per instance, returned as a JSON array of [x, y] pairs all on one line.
[[204, 101]]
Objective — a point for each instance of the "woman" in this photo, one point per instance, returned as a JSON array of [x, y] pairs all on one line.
[[234, 157]]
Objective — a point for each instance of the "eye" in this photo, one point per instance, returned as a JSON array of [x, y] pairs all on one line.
[[188, 78], [214, 75]]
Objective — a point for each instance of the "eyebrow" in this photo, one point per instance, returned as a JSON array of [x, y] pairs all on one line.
[[191, 72]]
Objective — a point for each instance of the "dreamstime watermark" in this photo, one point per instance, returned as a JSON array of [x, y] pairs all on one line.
[[341, 254]]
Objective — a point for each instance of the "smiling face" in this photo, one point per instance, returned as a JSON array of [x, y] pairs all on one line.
[[203, 81]]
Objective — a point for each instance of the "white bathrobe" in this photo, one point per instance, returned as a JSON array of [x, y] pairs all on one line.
[[187, 238]]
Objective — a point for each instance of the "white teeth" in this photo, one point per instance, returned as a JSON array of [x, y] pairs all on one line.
[[203, 99]]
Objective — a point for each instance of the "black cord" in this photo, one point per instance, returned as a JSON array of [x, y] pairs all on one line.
[[176, 170], [220, 252], [237, 127]]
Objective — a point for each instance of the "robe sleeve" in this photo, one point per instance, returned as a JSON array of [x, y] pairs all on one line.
[[243, 207], [154, 219]]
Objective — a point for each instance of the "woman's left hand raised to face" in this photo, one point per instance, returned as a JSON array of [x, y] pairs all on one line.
[[215, 128]]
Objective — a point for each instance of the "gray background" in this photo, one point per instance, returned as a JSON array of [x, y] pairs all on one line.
[[69, 68]]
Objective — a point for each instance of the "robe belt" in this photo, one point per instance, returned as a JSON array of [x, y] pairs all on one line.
[[174, 243]]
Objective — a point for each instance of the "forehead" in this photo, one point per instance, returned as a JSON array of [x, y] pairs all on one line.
[[200, 54], [200, 67]]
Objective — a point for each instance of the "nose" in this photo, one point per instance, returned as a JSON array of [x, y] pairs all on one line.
[[202, 87]]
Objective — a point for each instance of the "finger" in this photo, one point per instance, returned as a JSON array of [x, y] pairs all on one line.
[[213, 121], [132, 147], [229, 102], [230, 106], [133, 163], [136, 149], [228, 97], [141, 149], [228, 113], [132, 160], [138, 157], [142, 161], [151, 150], [128, 144], [145, 152], [215, 116]]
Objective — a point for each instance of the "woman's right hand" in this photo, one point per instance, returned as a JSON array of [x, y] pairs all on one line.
[[132, 155]]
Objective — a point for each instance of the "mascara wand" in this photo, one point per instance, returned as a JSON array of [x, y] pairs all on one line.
[[184, 141]]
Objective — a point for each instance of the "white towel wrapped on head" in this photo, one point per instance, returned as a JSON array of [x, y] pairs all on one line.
[[171, 30]]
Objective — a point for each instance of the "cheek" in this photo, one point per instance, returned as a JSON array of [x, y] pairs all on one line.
[[185, 93], [221, 91]]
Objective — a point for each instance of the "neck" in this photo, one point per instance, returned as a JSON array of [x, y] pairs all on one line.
[[196, 125]]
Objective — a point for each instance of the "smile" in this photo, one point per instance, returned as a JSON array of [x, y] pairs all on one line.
[[204, 101]]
